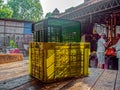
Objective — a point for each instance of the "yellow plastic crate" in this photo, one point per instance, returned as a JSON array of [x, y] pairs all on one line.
[[53, 61]]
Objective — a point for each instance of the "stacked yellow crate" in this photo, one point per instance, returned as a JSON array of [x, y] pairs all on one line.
[[52, 61], [62, 60]]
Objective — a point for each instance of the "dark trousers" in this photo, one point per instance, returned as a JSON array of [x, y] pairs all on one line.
[[112, 62]]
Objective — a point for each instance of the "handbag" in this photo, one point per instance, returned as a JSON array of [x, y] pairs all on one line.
[[110, 52]]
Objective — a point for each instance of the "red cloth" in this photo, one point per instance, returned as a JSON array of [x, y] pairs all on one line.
[[16, 50], [110, 52]]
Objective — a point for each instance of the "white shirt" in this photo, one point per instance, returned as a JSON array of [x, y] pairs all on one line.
[[117, 47], [100, 45]]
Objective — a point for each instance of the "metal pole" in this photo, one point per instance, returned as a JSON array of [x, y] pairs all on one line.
[[114, 26], [111, 28]]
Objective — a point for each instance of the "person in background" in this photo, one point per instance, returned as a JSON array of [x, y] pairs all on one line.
[[117, 47], [93, 43], [101, 45]]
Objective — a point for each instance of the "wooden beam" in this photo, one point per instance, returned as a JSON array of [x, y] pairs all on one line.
[[117, 85]]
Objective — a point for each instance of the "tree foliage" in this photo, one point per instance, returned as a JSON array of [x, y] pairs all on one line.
[[49, 14], [1, 2], [26, 9], [5, 11]]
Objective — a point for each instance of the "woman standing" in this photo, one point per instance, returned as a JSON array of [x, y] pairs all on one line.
[[117, 47], [101, 45]]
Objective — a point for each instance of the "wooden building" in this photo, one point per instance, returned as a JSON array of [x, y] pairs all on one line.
[[17, 30]]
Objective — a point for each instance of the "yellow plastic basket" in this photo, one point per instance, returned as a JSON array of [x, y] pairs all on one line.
[[53, 61]]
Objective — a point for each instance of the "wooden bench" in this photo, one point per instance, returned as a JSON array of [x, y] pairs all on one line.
[[6, 58]]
